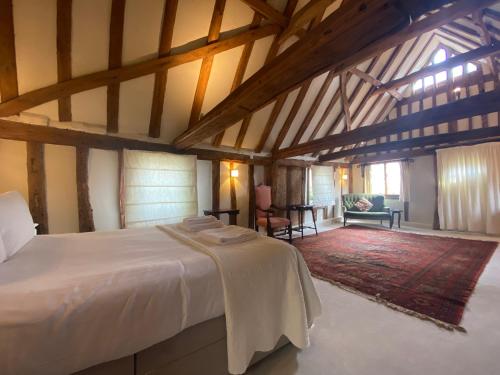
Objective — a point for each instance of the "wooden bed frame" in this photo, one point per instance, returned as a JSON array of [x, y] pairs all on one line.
[[201, 349]]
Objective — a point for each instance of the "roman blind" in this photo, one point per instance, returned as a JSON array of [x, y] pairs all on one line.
[[157, 188], [322, 185]]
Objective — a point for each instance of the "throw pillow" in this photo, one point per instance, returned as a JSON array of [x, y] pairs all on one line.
[[363, 204]]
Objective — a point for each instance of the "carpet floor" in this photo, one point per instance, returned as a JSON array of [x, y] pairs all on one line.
[[427, 276], [355, 336]]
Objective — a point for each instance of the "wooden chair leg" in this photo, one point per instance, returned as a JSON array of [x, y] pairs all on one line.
[[345, 219], [290, 233]]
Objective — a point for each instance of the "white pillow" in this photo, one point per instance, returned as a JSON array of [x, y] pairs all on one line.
[[16, 223], [3, 254]]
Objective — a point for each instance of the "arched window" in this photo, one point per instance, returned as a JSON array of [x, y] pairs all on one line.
[[440, 56]]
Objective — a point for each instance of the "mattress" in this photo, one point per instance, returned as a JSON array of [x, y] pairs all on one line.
[[71, 301]]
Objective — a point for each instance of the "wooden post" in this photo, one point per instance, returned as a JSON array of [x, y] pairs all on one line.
[[64, 19], [85, 216], [37, 185], [121, 194], [435, 224], [215, 184], [351, 183], [251, 197]]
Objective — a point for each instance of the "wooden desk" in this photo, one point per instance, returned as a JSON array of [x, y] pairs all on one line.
[[233, 214]]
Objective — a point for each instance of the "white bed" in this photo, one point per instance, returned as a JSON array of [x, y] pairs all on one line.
[[68, 302]]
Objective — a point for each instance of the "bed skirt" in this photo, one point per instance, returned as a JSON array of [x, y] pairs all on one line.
[[201, 349]]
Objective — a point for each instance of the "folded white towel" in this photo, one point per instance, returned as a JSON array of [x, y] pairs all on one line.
[[199, 219], [201, 226], [230, 234]]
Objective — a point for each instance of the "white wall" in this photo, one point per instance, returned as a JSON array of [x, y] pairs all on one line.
[[13, 169], [204, 185]]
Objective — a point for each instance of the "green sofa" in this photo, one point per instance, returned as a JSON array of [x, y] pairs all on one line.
[[377, 212]]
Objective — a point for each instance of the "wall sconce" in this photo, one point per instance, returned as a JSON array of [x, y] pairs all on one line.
[[234, 173], [457, 91], [345, 177]]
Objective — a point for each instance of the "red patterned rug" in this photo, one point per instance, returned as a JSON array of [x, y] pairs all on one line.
[[426, 276]]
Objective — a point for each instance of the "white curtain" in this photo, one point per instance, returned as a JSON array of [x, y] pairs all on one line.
[[322, 185], [158, 188], [469, 188], [405, 191]]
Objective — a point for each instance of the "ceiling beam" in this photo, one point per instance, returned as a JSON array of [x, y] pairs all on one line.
[[431, 140], [476, 105], [267, 11], [64, 12], [372, 26], [476, 54], [345, 101], [375, 82], [67, 137], [125, 73], [166, 35], [8, 67], [307, 13]]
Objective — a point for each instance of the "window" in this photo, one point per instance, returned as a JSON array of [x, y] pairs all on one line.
[[440, 56], [322, 189], [385, 179], [158, 188]]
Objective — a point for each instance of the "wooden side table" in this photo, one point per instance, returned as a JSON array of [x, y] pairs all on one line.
[[399, 212], [301, 209], [233, 214]]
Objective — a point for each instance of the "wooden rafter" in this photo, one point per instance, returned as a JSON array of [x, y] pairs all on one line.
[[267, 11], [64, 11], [107, 77], [206, 63], [242, 132], [277, 106], [167, 31], [476, 54], [486, 39], [345, 101], [431, 140], [307, 13], [314, 107], [114, 62], [374, 82], [8, 67], [291, 116], [476, 105], [332, 50], [240, 73]]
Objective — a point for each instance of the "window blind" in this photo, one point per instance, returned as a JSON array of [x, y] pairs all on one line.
[[158, 188], [322, 185]]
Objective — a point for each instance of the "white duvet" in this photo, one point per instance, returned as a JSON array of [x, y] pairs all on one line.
[[68, 302]]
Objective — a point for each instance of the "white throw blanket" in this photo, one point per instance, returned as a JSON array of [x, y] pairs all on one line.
[[268, 292], [199, 219], [230, 234]]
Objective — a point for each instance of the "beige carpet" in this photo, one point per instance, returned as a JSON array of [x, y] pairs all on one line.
[[355, 336]]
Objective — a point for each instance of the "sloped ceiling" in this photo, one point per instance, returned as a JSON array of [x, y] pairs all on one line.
[[35, 25]]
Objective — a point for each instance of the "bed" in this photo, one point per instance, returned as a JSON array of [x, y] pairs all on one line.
[[144, 301]]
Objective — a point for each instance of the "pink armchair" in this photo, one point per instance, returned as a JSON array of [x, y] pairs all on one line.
[[265, 215]]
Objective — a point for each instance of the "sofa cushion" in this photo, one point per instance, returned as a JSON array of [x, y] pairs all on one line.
[[349, 201], [363, 205]]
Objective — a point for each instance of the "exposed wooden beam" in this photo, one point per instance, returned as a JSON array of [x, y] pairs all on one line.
[[278, 105], [431, 140], [215, 184], [240, 72], [308, 12], [107, 77], [372, 27], [8, 67], [314, 107], [291, 115], [85, 215], [114, 62], [167, 31], [45, 134], [473, 106], [206, 63], [37, 188], [486, 39], [345, 101], [375, 82], [64, 16], [268, 12], [476, 54], [242, 132]]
